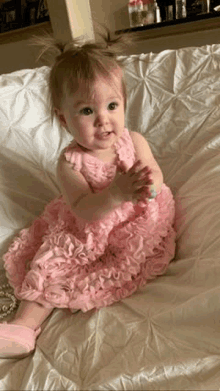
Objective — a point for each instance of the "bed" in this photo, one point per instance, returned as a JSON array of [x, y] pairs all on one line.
[[166, 336]]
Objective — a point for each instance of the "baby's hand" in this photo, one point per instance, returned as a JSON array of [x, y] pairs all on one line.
[[134, 184]]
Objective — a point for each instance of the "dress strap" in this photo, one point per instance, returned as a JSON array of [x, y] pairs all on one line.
[[125, 150], [73, 155]]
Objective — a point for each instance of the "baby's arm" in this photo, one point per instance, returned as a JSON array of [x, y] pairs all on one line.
[[143, 152], [78, 195]]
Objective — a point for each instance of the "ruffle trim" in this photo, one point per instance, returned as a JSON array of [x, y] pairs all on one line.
[[73, 155], [94, 168], [66, 266], [125, 150]]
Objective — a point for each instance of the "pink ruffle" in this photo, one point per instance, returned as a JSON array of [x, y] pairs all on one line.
[[62, 261], [94, 267]]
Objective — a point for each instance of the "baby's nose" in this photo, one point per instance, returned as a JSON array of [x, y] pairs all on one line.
[[101, 119]]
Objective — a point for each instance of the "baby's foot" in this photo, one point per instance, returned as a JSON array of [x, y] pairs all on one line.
[[16, 340]]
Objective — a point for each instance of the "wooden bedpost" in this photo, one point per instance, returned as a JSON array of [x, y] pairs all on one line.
[[71, 19]]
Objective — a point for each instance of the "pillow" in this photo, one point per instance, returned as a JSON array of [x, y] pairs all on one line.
[[30, 145], [173, 100]]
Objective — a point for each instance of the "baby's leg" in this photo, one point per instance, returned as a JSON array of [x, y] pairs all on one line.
[[31, 314], [18, 338]]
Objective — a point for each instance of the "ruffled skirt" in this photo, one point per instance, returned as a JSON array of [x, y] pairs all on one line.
[[62, 261]]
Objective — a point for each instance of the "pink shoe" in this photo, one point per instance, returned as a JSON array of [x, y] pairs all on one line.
[[17, 341]]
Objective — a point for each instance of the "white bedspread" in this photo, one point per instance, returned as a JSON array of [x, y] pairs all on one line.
[[166, 336]]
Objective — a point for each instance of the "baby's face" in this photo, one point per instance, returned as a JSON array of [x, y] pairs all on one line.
[[97, 121]]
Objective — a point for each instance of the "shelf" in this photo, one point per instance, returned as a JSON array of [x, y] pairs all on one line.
[[25, 33], [175, 27]]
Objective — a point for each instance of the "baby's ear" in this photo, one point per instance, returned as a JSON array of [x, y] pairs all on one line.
[[60, 116]]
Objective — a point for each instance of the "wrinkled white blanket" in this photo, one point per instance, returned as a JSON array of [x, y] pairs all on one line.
[[166, 336]]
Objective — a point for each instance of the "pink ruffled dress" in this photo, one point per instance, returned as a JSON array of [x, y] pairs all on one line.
[[66, 262]]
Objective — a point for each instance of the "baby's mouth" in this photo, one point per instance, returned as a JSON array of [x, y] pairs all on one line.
[[104, 135]]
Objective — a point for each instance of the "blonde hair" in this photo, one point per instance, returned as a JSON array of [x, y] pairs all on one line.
[[75, 65]]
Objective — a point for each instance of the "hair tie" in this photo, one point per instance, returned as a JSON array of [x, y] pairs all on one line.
[[153, 192], [71, 45]]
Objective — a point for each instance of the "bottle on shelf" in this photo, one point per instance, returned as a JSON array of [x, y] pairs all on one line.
[[157, 16], [181, 9], [148, 12], [178, 9], [132, 12], [205, 6], [169, 10], [184, 13], [198, 7], [140, 12], [135, 10]]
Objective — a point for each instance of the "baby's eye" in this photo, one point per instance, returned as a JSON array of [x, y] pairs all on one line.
[[86, 111], [113, 105]]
